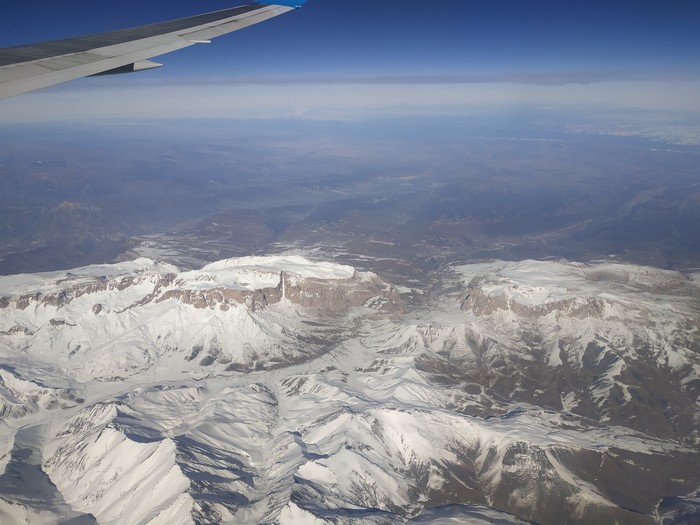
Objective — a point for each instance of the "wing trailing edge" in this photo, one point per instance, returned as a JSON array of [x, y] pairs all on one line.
[[35, 66]]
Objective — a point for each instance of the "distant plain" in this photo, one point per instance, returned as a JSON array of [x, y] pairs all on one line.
[[401, 196]]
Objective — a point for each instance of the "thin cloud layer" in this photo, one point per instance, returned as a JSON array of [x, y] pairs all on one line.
[[540, 78], [338, 100]]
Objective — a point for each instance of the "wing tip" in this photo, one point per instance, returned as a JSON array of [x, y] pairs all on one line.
[[289, 3]]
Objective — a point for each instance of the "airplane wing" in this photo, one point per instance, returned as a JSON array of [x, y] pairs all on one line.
[[26, 68]]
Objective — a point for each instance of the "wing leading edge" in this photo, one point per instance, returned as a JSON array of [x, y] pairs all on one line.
[[31, 67]]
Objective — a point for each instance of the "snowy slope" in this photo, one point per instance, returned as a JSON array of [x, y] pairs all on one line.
[[280, 390]]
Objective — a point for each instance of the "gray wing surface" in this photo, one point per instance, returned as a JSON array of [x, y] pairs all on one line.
[[26, 68]]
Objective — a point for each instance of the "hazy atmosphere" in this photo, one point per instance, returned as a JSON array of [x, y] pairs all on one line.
[[368, 262]]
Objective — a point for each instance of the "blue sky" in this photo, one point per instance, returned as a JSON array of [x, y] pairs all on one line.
[[653, 45], [404, 37]]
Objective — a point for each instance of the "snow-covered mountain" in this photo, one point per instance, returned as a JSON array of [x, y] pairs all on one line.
[[115, 321], [281, 390]]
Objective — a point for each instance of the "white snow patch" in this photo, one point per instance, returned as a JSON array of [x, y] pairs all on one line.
[[264, 272], [294, 515]]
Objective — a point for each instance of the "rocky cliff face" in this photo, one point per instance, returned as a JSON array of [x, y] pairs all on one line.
[[322, 296]]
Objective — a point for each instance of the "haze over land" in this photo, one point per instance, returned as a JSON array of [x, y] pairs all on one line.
[[415, 191]]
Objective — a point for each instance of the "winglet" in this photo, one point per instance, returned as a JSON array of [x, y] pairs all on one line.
[[289, 3]]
